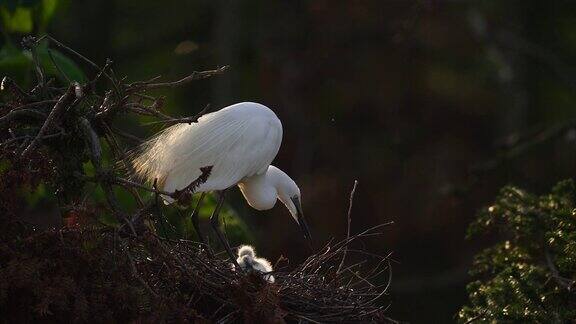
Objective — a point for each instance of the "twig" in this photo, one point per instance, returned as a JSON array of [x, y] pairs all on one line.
[[474, 319], [349, 220], [58, 67], [28, 137], [127, 182], [108, 109], [96, 157], [61, 45], [137, 276], [4, 120], [148, 110], [127, 135], [9, 84], [93, 82], [569, 284], [37, 66], [184, 120], [37, 104], [192, 77], [62, 103], [113, 144], [85, 59]]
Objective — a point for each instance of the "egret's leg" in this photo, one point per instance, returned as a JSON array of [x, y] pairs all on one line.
[[195, 220], [216, 225]]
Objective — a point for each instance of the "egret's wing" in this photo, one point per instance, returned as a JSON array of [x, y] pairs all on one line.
[[236, 146]]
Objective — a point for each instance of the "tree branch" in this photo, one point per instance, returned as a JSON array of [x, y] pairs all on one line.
[[349, 220], [64, 101], [192, 77]]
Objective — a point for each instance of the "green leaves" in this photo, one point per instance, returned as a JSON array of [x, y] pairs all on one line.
[[26, 17], [59, 65], [20, 16], [18, 64], [527, 277], [14, 63], [47, 11], [18, 21]]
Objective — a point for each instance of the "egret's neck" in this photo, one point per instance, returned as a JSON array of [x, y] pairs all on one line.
[[262, 191], [259, 191]]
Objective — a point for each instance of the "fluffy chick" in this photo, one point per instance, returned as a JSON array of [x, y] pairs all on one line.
[[248, 261]]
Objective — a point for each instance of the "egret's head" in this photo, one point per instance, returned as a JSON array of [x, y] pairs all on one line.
[[289, 194]]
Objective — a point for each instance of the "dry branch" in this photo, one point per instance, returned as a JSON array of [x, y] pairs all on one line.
[[192, 77], [62, 103]]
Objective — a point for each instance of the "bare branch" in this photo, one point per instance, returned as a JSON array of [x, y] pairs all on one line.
[[184, 120], [349, 221], [6, 119], [63, 102], [192, 77], [9, 84]]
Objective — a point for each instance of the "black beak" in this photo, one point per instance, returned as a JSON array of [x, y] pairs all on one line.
[[301, 219]]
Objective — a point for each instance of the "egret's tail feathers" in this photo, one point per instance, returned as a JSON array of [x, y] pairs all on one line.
[[246, 250], [152, 159]]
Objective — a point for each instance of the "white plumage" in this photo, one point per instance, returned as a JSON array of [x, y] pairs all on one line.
[[239, 142], [248, 261]]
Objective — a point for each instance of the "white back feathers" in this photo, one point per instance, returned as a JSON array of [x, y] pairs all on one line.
[[248, 261], [238, 141]]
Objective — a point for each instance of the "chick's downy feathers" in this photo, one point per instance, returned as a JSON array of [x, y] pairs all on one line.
[[248, 261]]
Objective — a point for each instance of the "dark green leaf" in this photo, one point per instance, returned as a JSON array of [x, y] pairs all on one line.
[[60, 63]]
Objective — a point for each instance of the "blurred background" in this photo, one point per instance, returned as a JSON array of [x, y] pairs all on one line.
[[431, 105]]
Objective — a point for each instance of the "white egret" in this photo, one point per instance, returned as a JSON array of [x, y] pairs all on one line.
[[238, 143], [248, 262]]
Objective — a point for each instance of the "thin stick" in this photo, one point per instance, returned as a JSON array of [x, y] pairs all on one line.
[[9, 84], [183, 120], [64, 101], [349, 220], [59, 44], [58, 67], [192, 77], [122, 181], [21, 112]]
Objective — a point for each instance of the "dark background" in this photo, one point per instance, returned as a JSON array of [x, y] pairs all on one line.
[[422, 101]]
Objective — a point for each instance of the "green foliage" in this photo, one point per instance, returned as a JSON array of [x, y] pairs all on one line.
[[26, 17], [13, 62], [530, 276], [19, 64], [19, 21], [52, 60], [21, 16]]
